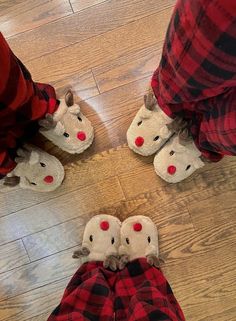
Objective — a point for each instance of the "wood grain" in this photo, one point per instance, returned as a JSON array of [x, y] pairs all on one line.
[[20, 16], [55, 239], [220, 209], [26, 306], [61, 209], [84, 25], [100, 167], [213, 179], [128, 68], [79, 5], [38, 274], [204, 278], [12, 256], [97, 50], [218, 309], [83, 85]]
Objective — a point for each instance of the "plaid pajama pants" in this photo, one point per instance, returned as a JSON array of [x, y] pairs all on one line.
[[196, 78], [22, 103], [140, 292]]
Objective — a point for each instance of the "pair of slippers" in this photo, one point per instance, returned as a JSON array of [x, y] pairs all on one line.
[[68, 129], [153, 132], [114, 243]]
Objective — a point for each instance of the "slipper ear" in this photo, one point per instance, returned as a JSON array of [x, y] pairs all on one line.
[[145, 114], [74, 110], [150, 101], [198, 163], [59, 129], [24, 182], [69, 98], [185, 137], [47, 123], [34, 158], [165, 132]]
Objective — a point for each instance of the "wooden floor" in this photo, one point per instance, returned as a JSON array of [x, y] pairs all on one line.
[[106, 50]]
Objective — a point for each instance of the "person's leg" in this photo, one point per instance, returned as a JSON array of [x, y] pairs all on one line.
[[143, 293], [88, 296], [196, 78], [22, 104]]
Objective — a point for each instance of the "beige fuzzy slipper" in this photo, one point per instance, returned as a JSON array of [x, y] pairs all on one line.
[[149, 130], [139, 238], [68, 128], [101, 241], [177, 160], [37, 170]]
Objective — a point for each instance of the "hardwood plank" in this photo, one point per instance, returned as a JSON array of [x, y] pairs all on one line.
[[117, 102], [186, 243], [79, 5], [30, 304], [95, 51], [38, 274], [219, 209], [12, 256], [21, 16], [7, 4], [89, 23], [203, 279], [83, 85], [40, 317], [60, 209], [128, 68], [100, 167], [213, 179], [213, 310], [55, 239]]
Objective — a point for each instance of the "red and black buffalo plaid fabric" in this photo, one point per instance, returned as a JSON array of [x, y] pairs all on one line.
[[196, 78], [140, 292], [22, 104]]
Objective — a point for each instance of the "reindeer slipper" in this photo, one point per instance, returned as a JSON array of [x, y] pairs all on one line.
[[101, 241], [149, 130], [178, 159], [139, 238], [68, 128], [36, 170]]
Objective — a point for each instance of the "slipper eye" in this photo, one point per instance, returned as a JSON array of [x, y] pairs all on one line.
[[66, 135], [188, 167], [172, 153], [112, 240], [156, 138], [79, 118], [42, 164], [140, 123], [91, 238], [149, 239], [127, 240], [32, 183]]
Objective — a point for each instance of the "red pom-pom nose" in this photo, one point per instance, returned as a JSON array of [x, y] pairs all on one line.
[[48, 179], [171, 169], [81, 136], [139, 141], [104, 225], [137, 227]]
